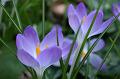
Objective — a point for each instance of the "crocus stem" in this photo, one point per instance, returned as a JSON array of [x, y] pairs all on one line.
[[61, 60]]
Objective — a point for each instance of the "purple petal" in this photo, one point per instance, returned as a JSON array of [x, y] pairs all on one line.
[[116, 9], [81, 10], [31, 35], [87, 22], [103, 26], [73, 19], [51, 39], [96, 61], [26, 58], [28, 41], [49, 56], [23, 43], [66, 47], [99, 45]]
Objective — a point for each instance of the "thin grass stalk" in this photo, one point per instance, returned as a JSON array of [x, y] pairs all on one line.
[[91, 48], [2, 41], [17, 14], [70, 52], [115, 47], [11, 18], [107, 54], [61, 60], [43, 18], [85, 39]]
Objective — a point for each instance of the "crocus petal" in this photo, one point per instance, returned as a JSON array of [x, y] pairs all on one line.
[[28, 41], [66, 47], [116, 9], [23, 43], [26, 58], [49, 56], [73, 19], [81, 10], [87, 22], [51, 39], [103, 26], [31, 35], [96, 61], [99, 45]]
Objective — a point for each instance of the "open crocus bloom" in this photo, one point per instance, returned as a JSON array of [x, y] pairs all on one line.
[[33, 54], [78, 17], [116, 9], [64, 43], [94, 59]]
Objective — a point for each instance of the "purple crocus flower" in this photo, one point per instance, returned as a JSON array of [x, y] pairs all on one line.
[[64, 43], [78, 17], [116, 9], [37, 55], [94, 59]]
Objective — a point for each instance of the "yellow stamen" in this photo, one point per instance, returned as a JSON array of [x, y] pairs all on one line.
[[37, 50], [83, 20], [83, 54], [46, 46]]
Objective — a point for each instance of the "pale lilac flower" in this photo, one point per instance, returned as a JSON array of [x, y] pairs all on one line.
[[37, 55], [94, 59], [79, 17], [64, 43], [116, 9]]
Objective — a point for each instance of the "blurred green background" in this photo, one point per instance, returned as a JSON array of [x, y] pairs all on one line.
[[30, 13]]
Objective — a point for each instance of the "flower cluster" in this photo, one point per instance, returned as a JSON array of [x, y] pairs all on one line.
[[54, 46]]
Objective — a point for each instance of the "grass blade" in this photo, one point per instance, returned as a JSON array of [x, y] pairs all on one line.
[[43, 17], [69, 54], [17, 15], [85, 40], [107, 54], [61, 60], [91, 48], [7, 47], [11, 18], [115, 47]]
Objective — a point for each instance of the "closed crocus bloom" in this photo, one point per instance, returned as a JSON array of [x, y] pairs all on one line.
[[34, 54], [79, 18], [116, 9]]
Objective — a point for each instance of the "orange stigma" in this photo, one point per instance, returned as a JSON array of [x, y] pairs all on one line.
[[38, 50]]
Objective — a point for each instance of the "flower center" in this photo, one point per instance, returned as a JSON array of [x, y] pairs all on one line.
[[84, 19], [38, 50]]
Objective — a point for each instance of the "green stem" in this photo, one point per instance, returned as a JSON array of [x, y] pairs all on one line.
[[17, 15], [11, 18], [43, 17], [107, 54]]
